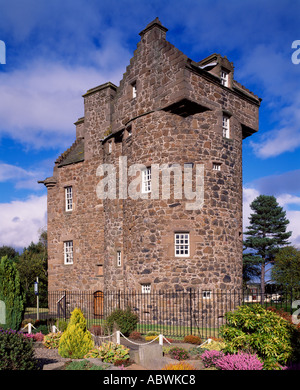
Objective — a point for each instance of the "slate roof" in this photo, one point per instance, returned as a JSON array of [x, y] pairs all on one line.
[[72, 155]]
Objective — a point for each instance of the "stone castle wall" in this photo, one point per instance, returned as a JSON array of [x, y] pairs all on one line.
[[175, 118]]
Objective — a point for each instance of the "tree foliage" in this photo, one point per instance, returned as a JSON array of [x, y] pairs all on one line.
[[266, 233], [286, 269], [32, 263]]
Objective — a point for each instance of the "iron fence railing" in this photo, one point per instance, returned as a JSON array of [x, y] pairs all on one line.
[[172, 313]]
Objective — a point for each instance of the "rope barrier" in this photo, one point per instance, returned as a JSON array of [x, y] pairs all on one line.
[[120, 333], [208, 341]]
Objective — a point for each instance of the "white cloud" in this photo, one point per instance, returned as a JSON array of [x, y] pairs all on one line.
[[271, 69], [20, 177], [38, 105], [21, 221]]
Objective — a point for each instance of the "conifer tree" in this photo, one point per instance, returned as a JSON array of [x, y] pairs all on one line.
[[266, 233], [11, 294]]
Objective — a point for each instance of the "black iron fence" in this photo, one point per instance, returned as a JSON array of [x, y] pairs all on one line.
[[172, 313]]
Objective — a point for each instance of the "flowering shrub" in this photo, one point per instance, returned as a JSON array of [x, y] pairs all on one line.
[[179, 366], [294, 366], [210, 358], [192, 339], [34, 336], [51, 340], [241, 361], [178, 353]]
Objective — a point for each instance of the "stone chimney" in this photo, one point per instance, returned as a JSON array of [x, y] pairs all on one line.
[[153, 31]]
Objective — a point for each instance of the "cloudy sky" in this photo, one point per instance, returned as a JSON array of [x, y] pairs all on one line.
[[57, 50]]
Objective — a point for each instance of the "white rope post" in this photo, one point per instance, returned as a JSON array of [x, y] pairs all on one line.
[[118, 337], [161, 339], [29, 328], [54, 329]]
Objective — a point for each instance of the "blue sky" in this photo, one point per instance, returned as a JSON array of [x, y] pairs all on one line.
[[56, 51]]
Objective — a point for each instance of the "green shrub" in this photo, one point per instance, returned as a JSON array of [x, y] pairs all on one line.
[[41, 329], [109, 352], [11, 294], [125, 320], [251, 328], [16, 351], [76, 341], [152, 333], [62, 325], [82, 365]]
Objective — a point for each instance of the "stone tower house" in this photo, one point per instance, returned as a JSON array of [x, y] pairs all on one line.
[[174, 116]]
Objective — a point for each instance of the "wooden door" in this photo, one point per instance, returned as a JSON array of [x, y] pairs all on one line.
[[98, 304]]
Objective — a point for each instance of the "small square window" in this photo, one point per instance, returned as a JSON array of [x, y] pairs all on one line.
[[146, 180], [225, 126], [68, 252], [206, 294], [182, 244], [216, 166], [119, 259], [68, 198], [146, 288], [224, 78]]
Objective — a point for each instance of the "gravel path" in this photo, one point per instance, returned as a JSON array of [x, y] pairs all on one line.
[[48, 358]]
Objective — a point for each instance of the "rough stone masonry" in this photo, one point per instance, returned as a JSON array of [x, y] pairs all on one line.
[[167, 111]]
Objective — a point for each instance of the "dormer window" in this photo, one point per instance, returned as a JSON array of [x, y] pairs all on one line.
[[133, 86], [224, 77]]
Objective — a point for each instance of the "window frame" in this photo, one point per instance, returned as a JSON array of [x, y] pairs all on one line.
[[206, 294], [68, 252], [216, 166], [68, 198], [146, 180], [226, 126], [133, 90], [119, 258], [182, 246], [109, 147], [224, 78], [146, 288]]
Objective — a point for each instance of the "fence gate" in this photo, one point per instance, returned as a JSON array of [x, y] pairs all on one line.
[[98, 304]]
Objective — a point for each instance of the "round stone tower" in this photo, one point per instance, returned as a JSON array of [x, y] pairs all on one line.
[[175, 143]]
